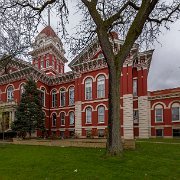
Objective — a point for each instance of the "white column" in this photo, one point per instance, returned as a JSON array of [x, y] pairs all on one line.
[[128, 116], [78, 118], [143, 106]]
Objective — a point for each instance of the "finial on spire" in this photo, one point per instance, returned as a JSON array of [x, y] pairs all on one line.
[[49, 17]]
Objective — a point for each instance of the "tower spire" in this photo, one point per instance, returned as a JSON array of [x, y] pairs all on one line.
[[49, 17]]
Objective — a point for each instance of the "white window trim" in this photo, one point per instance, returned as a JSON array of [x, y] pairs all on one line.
[[64, 119], [63, 91], [54, 99], [91, 82], [55, 121], [47, 63], [162, 115], [70, 118], [86, 115], [71, 89], [102, 122], [100, 79], [135, 91], [10, 94], [162, 132], [179, 114], [44, 94]]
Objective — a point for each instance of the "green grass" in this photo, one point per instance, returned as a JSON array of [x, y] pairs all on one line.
[[148, 161]]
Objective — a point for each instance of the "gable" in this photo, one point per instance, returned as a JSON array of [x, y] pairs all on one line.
[[89, 53]]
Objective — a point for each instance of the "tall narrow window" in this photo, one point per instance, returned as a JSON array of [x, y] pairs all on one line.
[[22, 90], [71, 96], [88, 89], [62, 116], [62, 97], [88, 115], [43, 94], [175, 110], [54, 120], [159, 113], [101, 86], [54, 98], [42, 64], [71, 118], [10, 93], [135, 88], [136, 116], [101, 115], [47, 63]]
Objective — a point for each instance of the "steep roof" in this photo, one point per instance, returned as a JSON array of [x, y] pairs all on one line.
[[25, 70], [48, 31]]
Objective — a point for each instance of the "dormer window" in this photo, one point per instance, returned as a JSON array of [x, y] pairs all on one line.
[[42, 64], [100, 56], [41, 42]]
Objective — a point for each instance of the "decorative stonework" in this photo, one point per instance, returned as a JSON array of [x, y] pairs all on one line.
[[165, 96], [144, 110], [78, 118], [128, 116]]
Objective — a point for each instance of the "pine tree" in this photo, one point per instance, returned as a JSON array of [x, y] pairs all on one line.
[[29, 115]]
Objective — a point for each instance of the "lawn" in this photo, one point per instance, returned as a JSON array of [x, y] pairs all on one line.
[[148, 161]]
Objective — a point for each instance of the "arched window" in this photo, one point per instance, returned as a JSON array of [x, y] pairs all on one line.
[[54, 98], [22, 90], [175, 110], [53, 64], [88, 89], [62, 97], [88, 115], [43, 96], [10, 93], [62, 116], [100, 56], [101, 86], [135, 87], [47, 63], [101, 114], [71, 96], [54, 120], [42, 64], [71, 118], [158, 113]]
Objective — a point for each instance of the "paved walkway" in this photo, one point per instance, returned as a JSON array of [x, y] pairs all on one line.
[[159, 142], [92, 143]]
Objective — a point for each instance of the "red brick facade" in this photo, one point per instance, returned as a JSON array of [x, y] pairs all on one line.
[[76, 102]]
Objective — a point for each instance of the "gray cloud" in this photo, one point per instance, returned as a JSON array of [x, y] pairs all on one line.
[[165, 67]]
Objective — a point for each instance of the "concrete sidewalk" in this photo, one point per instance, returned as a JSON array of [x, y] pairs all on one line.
[[90, 143]]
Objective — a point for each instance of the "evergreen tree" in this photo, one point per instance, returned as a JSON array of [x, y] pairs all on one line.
[[29, 115]]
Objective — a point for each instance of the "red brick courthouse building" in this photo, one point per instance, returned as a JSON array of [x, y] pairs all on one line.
[[77, 101]]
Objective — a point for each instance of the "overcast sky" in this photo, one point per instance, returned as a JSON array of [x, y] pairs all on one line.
[[165, 66]]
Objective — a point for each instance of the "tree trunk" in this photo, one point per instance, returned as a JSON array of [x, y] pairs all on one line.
[[114, 142]]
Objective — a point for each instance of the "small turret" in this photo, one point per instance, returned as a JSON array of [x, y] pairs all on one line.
[[48, 52]]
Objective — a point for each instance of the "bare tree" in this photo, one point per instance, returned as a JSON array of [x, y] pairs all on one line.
[[19, 21], [135, 20]]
